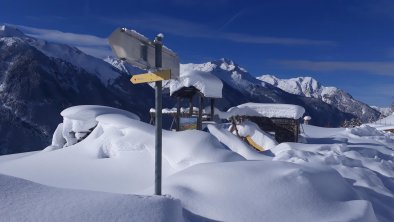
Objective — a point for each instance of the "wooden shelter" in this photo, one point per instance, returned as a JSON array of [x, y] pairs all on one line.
[[285, 129], [188, 94], [282, 120], [191, 95]]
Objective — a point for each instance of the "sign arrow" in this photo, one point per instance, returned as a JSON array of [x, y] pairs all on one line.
[[151, 77]]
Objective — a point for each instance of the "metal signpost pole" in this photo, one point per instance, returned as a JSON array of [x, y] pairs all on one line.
[[139, 51], [158, 106]]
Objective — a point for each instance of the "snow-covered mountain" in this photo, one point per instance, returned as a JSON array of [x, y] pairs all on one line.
[[239, 86], [310, 87], [38, 79], [384, 111]]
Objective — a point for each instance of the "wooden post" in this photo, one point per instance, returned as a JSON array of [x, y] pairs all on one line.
[[191, 106], [212, 109], [200, 107], [295, 122], [178, 113]]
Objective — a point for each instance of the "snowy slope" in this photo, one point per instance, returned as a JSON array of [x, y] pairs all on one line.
[[38, 77], [309, 87], [22, 200], [386, 121], [64, 52], [339, 175], [384, 111]]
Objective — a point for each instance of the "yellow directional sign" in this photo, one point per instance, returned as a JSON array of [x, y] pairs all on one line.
[[151, 77]]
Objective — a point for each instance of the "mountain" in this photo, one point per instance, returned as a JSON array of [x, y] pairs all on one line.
[[239, 86], [384, 111], [38, 79], [309, 87]]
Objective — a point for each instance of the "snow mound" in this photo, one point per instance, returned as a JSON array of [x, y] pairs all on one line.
[[248, 128], [208, 84], [269, 110], [275, 191], [336, 176], [235, 144], [118, 155], [365, 130], [366, 162], [23, 200], [78, 122]]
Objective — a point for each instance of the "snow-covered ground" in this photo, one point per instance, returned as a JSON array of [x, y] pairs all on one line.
[[337, 175]]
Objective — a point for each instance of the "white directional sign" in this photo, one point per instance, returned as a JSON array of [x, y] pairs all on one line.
[[137, 50]]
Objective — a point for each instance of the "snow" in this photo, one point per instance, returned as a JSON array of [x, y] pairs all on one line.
[[8, 41], [22, 200], [104, 71], [117, 154], [384, 111], [270, 110], [268, 191], [208, 84], [248, 128], [338, 174], [387, 121], [227, 71], [234, 143], [78, 121]]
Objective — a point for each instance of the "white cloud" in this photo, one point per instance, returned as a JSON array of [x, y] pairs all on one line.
[[89, 44], [186, 28], [376, 68]]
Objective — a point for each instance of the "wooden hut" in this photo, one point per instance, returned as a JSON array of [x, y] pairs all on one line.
[[196, 88], [282, 120]]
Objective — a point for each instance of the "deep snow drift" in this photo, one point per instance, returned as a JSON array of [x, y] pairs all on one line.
[[339, 175], [22, 200]]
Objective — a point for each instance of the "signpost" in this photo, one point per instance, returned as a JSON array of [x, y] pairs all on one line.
[[137, 50]]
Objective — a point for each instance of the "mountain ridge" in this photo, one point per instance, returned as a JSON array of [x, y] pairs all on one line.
[[310, 87]]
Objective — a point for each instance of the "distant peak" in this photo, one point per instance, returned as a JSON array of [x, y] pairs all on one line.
[[228, 61], [10, 31]]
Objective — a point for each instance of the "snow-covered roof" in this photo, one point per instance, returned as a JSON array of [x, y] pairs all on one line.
[[208, 84], [85, 112], [174, 110], [270, 110]]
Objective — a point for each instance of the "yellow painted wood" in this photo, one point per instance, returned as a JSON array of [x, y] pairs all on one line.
[[151, 77], [254, 144]]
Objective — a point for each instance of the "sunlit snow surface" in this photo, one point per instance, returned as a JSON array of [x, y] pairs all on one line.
[[339, 175]]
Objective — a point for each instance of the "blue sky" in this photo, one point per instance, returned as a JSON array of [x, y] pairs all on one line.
[[343, 43]]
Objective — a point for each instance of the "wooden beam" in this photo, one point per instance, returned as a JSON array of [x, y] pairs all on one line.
[[178, 113], [191, 106]]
